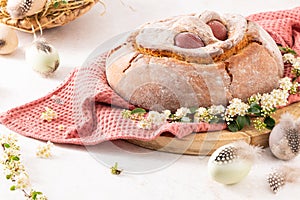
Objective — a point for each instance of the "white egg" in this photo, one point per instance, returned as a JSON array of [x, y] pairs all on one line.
[[225, 165], [42, 57], [8, 40]]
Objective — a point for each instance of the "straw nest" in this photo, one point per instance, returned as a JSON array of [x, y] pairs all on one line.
[[55, 13]]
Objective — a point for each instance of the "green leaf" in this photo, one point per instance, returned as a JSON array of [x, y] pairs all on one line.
[[255, 109], [270, 122], [8, 176], [214, 121], [287, 50], [138, 111], [34, 194], [115, 170], [15, 158], [6, 145], [13, 188], [56, 4], [193, 110], [242, 121], [233, 126]]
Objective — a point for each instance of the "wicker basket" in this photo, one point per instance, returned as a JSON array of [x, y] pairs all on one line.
[[51, 16]]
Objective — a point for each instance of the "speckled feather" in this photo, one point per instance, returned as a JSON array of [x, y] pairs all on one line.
[[19, 9]]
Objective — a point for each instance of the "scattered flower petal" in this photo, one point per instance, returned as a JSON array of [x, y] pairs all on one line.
[[44, 151], [49, 115]]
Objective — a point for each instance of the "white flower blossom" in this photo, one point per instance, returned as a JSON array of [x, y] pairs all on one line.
[[267, 103], [14, 168], [61, 127], [49, 115], [202, 114], [236, 107], [22, 181], [255, 98], [156, 118], [288, 57], [201, 111], [280, 96], [285, 83], [144, 124], [296, 63], [10, 139], [274, 99], [167, 113], [294, 88], [44, 151], [216, 110], [182, 112]]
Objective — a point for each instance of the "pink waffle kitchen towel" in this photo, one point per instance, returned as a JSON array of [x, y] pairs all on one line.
[[89, 111]]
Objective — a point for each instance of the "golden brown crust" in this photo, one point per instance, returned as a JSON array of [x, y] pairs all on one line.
[[252, 77], [159, 79]]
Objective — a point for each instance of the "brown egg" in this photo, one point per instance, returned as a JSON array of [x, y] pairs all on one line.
[[219, 30], [188, 40]]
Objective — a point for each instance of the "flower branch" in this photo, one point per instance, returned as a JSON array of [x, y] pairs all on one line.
[[14, 169]]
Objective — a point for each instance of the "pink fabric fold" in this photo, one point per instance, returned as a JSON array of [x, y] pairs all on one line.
[[283, 26], [89, 111]]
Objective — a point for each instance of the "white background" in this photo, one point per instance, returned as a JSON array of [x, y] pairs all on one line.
[[74, 173]]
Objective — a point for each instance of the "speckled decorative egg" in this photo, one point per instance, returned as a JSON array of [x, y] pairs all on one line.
[[284, 139], [231, 163], [19, 9]]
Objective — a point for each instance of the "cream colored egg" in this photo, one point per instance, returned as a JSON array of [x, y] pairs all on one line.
[[19, 9], [231, 169], [8, 40], [42, 57]]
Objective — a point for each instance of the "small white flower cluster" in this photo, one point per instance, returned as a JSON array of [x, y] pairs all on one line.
[[14, 169], [294, 61], [255, 98], [49, 115], [236, 108], [153, 119], [276, 98], [208, 114], [270, 101], [287, 85], [202, 115], [44, 151], [217, 110], [182, 113], [289, 57], [259, 124]]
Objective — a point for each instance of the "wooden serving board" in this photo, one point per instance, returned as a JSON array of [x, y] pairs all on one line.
[[206, 143]]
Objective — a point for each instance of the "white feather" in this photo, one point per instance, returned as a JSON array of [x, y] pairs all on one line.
[[290, 173], [247, 151], [19, 9], [287, 121]]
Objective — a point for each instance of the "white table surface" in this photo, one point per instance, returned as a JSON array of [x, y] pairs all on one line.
[[77, 173]]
